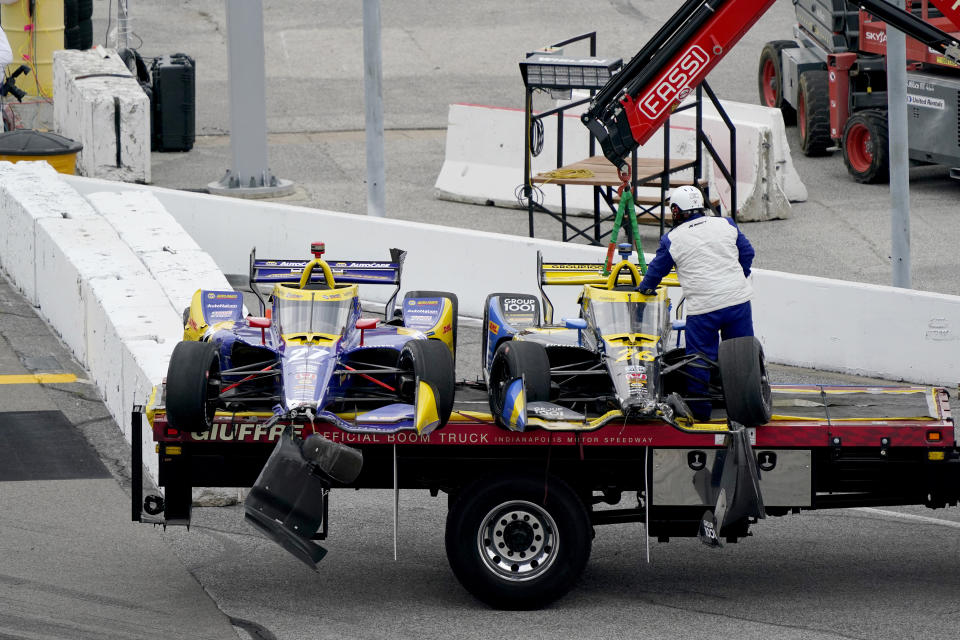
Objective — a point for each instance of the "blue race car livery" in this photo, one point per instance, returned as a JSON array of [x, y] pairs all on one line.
[[311, 354]]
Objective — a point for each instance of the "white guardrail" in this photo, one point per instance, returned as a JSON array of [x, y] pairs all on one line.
[[110, 268]]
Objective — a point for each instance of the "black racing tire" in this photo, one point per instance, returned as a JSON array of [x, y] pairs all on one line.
[[518, 541], [84, 9], [513, 359], [746, 386], [193, 386], [813, 113], [86, 34], [71, 15], [71, 37], [865, 147], [441, 294], [770, 79], [430, 361]]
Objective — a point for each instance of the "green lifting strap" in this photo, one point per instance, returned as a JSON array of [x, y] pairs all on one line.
[[626, 204]]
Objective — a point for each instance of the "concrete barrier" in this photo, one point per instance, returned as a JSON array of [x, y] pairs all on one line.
[[100, 104], [484, 158], [871, 330], [109, 273]]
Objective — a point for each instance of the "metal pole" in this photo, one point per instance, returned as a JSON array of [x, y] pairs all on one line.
[[899, 158], [123, 25], [373, 97], [250, 176]]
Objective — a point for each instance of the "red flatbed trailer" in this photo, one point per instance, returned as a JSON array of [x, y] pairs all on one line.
[[827, 447]]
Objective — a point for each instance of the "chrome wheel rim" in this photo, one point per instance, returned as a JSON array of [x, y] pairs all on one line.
[[517, 541]]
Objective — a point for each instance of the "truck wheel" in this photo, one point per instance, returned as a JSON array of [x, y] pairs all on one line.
[[193, 386], [518, 542], [429, 360], [865, 147], [770, 79], [746, 388], [813, 113], [515, 359]]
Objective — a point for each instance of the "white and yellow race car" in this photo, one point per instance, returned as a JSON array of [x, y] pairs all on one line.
[[616, 360]]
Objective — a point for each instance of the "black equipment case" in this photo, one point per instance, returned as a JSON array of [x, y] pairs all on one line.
[[173, 102]]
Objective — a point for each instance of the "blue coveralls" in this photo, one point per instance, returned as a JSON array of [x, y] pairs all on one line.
[[713, 260]]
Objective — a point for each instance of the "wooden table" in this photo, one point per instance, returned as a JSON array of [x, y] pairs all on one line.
[[648, 196]]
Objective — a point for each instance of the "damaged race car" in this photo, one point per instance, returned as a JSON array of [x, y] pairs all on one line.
[[613, 361], [310, 355]]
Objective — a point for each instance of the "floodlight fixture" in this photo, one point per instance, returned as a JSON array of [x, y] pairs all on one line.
[[550, 69]]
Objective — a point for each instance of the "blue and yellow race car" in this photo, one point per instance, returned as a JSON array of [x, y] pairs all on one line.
[[617, 360], [311, 355]]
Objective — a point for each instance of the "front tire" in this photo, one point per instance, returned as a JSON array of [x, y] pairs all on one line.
[[746, 387], [865, 147], [518, 542], [193, 386], [515, 359], [430, 361]]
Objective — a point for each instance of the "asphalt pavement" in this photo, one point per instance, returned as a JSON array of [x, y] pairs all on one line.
[[72, 565]]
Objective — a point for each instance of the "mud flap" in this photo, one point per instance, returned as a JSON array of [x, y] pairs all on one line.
[[288, 502], [739, 491]]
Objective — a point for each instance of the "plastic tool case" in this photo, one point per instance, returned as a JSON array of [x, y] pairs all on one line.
[[174, 102]]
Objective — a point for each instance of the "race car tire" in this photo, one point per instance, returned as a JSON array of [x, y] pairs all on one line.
[[71, 13], [746, 387], [431, 361], [770, 79], [515, 359], [452, 297], [193, 386], [517, 541], [865, 150], [813, 113]]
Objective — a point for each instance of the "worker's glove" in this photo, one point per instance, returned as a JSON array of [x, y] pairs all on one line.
[[647, 292]]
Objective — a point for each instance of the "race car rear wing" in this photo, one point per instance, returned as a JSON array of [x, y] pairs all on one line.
[[581, 273], [285, 271]]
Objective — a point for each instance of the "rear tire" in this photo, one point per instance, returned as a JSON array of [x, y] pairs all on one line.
[[770, 79], [516, 541], [193, 386], [746, 388], [430, 361], [813, 113], [516, 359], [865, 147]]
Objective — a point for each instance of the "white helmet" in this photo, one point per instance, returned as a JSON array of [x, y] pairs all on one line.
[[686, 198]]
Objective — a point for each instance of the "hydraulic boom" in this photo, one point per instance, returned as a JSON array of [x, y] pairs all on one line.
[[636, 102]]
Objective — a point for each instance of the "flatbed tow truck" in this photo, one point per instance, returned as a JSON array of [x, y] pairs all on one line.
[[523, 505]]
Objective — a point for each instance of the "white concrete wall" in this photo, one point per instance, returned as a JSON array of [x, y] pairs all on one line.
[[89, 93], [110, 273], [833, 325]]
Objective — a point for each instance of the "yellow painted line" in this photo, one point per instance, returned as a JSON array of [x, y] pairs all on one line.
[[38, 378]]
